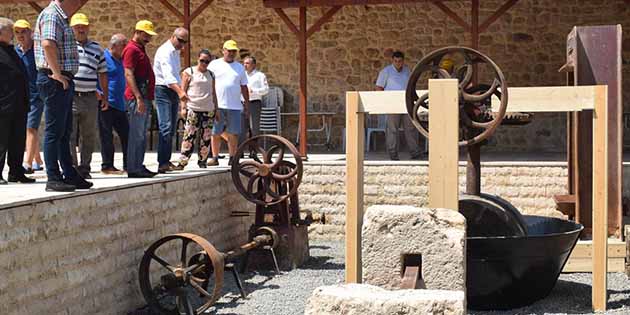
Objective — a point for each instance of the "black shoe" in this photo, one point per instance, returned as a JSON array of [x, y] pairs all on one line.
[[141, 174], [3, 182], [59, 186], [203, 164], [146, 170], [79, 182], [221, 156], [86, 175], [21, 179], [28, 170]]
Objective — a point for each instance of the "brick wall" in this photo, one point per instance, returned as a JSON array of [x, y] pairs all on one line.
[[530, 186], [528, 43], [81, 255]]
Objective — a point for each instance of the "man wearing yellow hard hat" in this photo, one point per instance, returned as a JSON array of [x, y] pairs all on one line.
[[139, 95], [92, 71], [24, 48], [230, 84], [57, 61]]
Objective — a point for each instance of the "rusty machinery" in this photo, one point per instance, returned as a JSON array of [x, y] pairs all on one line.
[[512, 260], [183, 273]]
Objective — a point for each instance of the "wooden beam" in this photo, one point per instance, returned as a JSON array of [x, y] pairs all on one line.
[[35, 6], [187, 21], [450, 13], [443, 144], [287, 21], [173, 9], [600, 199], [325, 18], [496, 15], [200, 9], [83, 2], [355, 142], [303, 83]]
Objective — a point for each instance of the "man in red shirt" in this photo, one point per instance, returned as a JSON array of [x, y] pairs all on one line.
[[139, 94]]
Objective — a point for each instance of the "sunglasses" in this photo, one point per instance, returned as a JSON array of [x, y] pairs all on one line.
[[206, 61], [181, 41]]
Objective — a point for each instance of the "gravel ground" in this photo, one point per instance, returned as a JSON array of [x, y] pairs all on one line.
[[286, 294]]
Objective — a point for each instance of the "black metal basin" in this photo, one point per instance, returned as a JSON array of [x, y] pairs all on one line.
[[505, 272]]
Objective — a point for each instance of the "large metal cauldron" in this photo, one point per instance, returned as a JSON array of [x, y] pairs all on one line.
[[510, 271]]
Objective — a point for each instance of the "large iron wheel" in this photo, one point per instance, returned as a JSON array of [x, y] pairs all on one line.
[[174, 282], [474, 100], [259, 178]]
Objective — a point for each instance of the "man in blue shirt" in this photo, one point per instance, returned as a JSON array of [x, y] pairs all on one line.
[[114, 117], [24, 48]]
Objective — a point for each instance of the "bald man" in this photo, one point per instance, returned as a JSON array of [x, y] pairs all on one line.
[[168, 94]]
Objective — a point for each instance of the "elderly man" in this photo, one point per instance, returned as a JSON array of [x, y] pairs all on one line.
[[258, 87], [13, 106], [57, 61], [24, 48], [114, 117], [391, 78], [230, 84], [168, 94], [139, 93], [92, 72]]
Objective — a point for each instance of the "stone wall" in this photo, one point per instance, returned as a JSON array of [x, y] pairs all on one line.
[[530, 186], [80, 255], [528, 43]]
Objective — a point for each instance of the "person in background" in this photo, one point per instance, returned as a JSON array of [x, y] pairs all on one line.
[[114, 117], [394, 78], [14, 99], [168, 94], [139, 94], [258, 87], [24, 48], [92, 72], [199, 110], [57, 61], [231, 83]]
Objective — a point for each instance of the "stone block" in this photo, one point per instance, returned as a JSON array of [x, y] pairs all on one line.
[[355, 299], [437, 235]]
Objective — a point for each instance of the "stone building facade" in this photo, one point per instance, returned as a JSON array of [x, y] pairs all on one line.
[[528, 43]]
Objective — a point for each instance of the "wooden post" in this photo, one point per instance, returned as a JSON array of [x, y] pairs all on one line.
[[355, 139], [303, 108], [187, 22], [600, 198], [443, 144]]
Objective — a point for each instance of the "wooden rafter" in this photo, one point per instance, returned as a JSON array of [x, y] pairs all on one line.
[[200, 9], [173, 9], [323, 19], [35, 6], [450, 13]]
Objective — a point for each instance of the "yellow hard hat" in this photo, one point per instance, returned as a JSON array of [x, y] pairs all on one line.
[[22, 24], [79, 19], [447, 64], [230, 45], [146, 26]]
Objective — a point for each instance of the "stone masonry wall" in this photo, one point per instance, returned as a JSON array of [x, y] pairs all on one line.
[[529, 186], [81, 255], [528, 43]]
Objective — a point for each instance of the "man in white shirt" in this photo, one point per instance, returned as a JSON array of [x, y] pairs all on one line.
[[394, 78], [168, 94], [258, 87], [230, 84]]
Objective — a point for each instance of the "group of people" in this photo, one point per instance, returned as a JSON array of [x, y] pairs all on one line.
[[86, 92]]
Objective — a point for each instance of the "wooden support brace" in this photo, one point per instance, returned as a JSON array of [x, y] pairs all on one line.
[[600, 199], [496, 15], [443, 144], [287, 21], [35, 6], [173, 9], [355, 142], [450, 13], [325, 18], [200, 9]]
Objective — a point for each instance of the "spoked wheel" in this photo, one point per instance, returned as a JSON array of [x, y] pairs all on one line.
[[474, 101], [257, 179], [176, 271]]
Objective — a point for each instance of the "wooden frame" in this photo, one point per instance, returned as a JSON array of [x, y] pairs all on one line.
[[564, 99]]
